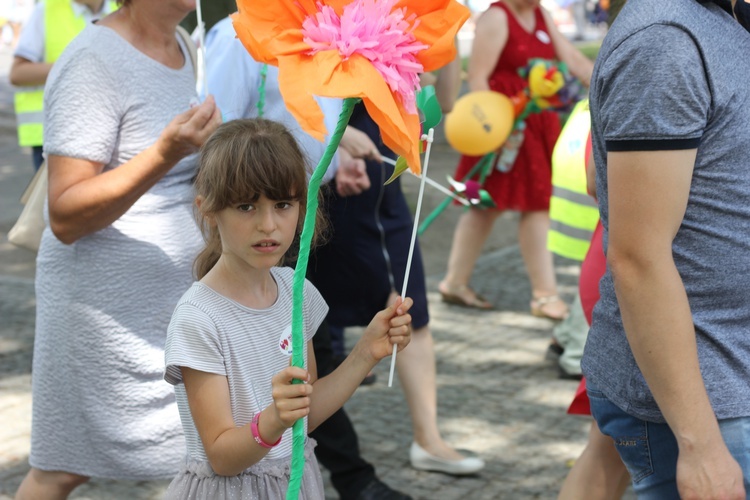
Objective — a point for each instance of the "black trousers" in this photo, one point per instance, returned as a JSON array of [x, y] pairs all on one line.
[[338, 446]]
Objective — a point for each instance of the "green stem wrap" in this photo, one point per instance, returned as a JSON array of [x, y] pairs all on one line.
[[300, 272], [262, 91]]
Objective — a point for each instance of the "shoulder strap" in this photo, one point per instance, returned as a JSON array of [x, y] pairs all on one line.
[[192, 50]]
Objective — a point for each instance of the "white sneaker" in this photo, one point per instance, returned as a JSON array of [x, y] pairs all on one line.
[[422, 460]]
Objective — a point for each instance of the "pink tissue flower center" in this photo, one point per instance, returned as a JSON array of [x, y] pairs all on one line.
[[372, 29]]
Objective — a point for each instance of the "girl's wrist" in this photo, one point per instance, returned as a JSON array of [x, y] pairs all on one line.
[[262, 430], [362, 354]]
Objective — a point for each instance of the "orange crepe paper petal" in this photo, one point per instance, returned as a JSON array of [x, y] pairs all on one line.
[[357, 77], [392, 136], [338, 5], [285, 13], [439, 22], [253, 45], [272, 33], [294, 80]]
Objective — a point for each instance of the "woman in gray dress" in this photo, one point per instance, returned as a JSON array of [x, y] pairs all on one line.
[[121, 127]]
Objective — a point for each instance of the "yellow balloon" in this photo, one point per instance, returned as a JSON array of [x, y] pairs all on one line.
[[479, 123]]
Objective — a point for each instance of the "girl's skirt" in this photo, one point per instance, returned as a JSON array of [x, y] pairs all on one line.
[[266, 480]]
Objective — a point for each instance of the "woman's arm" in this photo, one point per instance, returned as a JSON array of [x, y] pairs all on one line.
[[580, 66], [25, 73], [82, 200], [448, 83], [490, 38]]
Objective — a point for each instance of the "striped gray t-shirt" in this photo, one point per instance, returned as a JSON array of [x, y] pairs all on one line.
[[214, 334]]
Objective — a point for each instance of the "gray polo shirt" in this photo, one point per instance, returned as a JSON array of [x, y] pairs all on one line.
[[671, 75]]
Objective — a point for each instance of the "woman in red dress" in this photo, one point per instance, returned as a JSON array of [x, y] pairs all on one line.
[[507, 35]]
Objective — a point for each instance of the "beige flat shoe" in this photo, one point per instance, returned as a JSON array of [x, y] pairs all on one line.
[[463, 296]]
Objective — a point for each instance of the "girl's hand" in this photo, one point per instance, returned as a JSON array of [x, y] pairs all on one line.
[[291, 401], [391, 326], [188, 131]]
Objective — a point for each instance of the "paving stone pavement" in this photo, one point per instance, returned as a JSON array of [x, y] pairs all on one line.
[[498, 397]]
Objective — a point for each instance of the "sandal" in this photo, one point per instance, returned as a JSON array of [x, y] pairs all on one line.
[[540, 307], [463, 296]]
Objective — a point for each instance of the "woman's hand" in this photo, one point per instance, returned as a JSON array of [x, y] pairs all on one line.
[[391, 326], [351, 177], [359, 145], [188, 131], [291, 402]]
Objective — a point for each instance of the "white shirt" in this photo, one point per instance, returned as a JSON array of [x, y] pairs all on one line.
[[233, 78], [31, 43]]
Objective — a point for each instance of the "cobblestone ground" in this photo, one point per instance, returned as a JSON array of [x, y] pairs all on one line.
[[498, 397]]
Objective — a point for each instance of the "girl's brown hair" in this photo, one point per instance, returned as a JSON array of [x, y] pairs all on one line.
[[242, 161]]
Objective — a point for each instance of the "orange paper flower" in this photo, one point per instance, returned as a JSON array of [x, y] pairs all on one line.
[[370, 49]]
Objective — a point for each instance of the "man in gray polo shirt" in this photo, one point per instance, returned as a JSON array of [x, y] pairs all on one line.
[[668, 356]]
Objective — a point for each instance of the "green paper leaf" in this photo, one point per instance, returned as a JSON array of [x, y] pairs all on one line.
[[400, 168], [429, 106], [485, 200]]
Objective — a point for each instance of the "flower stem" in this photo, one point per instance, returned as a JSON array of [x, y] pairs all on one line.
[[300, 273]]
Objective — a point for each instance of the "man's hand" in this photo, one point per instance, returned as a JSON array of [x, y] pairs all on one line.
[[351, 177], [708, 474]]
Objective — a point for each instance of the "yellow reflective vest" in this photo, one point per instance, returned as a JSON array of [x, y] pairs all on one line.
[[573, 213], [61, 26]]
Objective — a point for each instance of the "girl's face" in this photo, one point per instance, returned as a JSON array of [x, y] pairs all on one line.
[[257, 234]]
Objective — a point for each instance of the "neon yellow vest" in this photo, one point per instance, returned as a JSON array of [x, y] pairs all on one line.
[[573, 213], [61, 26]]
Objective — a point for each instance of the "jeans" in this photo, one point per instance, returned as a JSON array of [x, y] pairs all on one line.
[[649, 450]]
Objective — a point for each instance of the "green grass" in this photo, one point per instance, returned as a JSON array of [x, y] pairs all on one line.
[[589, 49]]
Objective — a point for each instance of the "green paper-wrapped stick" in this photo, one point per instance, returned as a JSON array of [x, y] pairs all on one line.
[[300, 272]]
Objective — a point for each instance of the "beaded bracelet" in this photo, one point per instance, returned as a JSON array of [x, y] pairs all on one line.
[[256, 433]]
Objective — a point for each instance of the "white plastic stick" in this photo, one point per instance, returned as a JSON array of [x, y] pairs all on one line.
[[429, 138], [203, 78], [434, 184]]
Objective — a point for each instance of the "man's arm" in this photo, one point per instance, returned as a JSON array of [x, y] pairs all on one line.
[[648, 195]]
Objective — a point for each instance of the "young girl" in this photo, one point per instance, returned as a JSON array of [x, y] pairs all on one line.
[[228, 345]]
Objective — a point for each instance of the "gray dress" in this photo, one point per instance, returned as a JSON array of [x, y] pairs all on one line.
[[101, 407]]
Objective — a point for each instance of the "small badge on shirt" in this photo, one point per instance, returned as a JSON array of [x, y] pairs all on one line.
[[285, 341], [543, 37]]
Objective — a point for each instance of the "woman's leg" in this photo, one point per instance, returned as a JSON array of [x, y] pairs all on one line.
[[598, 474], [472, 230], [416, 371], [532, 239], [48, 485]]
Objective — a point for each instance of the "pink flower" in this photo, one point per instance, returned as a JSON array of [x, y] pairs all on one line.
[[379, 33]]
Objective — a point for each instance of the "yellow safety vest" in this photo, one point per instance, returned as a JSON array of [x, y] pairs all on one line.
[[61, 26], [573, 213]]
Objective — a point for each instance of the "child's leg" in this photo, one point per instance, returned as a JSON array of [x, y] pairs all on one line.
[[598, 474], [50, 485]]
